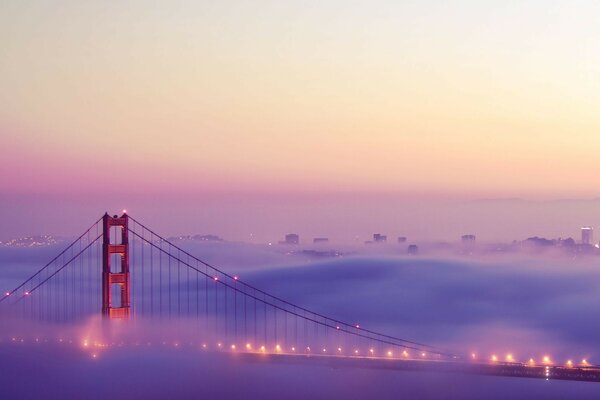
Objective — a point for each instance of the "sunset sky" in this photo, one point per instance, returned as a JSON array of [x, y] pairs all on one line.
[[419, 99]]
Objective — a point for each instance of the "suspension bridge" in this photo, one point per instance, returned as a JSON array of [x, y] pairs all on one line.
[[124, 271]]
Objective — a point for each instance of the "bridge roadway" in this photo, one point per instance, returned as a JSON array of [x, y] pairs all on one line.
[[518, 370]]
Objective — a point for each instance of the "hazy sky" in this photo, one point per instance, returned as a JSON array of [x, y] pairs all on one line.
[[424, 99]]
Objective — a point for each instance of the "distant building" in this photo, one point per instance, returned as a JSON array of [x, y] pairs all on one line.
[[467, 239], [413, 249], [291, 238], [320, 240], [587, 235], [379, 238], [402, 239]]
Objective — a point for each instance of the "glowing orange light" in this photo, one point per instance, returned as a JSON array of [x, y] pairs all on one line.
[[510, 358], [389, 353], [546, 360], [248, 346], [569, 363], [585, 362], [405, 353], [262, 348], [278, 347], [494, 358]]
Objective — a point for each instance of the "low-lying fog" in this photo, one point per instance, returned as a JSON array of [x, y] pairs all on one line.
[[528, 306]]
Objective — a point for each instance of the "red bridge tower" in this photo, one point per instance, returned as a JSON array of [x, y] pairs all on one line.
[[120, 276]]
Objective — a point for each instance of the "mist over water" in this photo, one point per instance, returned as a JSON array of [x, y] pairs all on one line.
[[528, 306]]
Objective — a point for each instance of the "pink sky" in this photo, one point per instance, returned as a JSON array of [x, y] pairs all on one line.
[[406, 101]]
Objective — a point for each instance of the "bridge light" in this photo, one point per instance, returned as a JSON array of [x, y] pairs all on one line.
[[405, 353], [278, 347], [569, 363], [324, 350], [494, 358], [262, 348], [307, 348], [423, 354], [293, 349], [340, 349], [204, 345], [248, 346], [547, 360], [216, 278], [337, 327], [235, 278], [509, 358], [473, 356], [355, 351], [585, 362], [357, 326], [371, 351], [124, 211], [26, 293], [219, 344], [531, 361], [7, 294], [389, 353]]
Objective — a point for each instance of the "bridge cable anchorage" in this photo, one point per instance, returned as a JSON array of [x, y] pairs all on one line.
[[352, 331], [432, 349], [51, 261]]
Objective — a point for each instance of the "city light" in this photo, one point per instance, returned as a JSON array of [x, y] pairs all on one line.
[[405, 353], [494, 358], [277, 347], [262, 348], [233, 347], [248, 346], [389, 353], [569, 363], [473, 356], [509, 358], [340, 349]]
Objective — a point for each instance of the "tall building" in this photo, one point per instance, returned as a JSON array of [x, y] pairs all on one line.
[[291, 238], [587, 235], [379, 238], [467, 239]]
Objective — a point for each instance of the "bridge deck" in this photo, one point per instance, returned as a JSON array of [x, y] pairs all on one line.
[[588, 374]]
